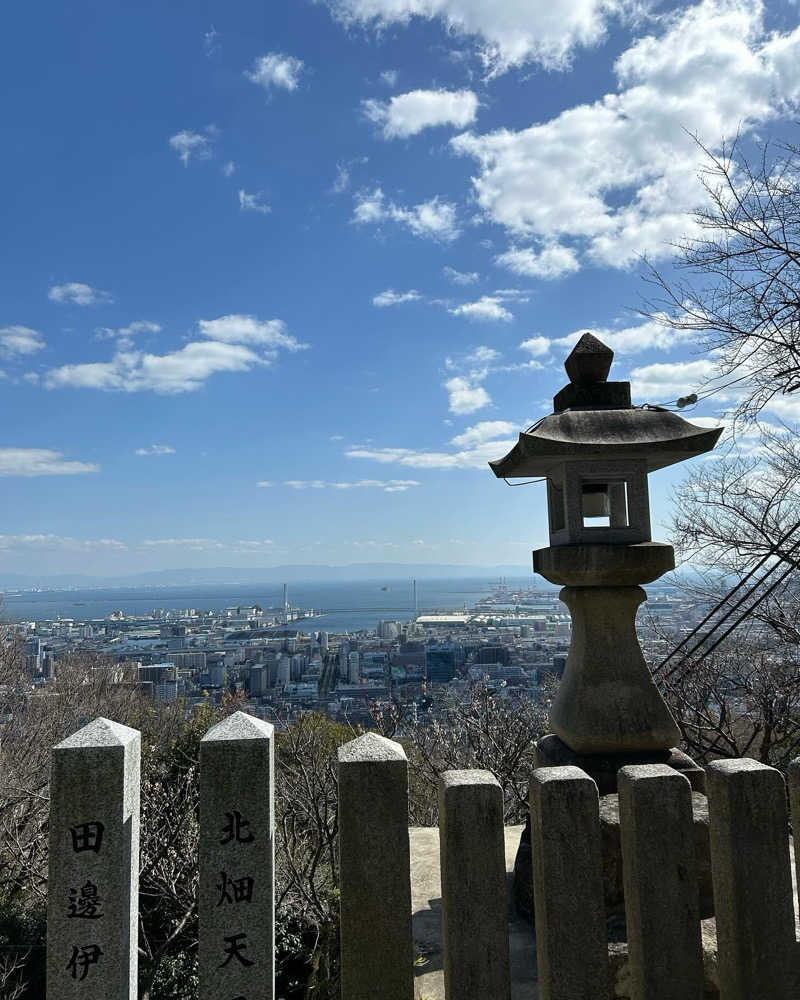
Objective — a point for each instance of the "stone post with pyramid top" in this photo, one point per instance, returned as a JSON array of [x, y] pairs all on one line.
[[595, 451]]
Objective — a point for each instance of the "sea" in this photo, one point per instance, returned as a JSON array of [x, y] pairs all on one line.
[[339, 607]]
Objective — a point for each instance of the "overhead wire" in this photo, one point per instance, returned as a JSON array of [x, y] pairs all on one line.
[[772, 551]]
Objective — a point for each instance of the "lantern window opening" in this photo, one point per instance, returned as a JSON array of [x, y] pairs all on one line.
[[604, 503]]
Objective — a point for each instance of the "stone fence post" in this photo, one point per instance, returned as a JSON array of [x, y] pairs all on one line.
[[375, 870], [237, 860], [93, 882], [794, 802], [474, 893], [750, 867], [660, 880], [567, 885]]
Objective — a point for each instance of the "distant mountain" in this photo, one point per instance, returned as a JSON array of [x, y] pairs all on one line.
[[267, 574]]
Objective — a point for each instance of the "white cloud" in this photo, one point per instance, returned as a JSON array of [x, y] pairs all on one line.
[[460, 277], [537, 346], [434, 219], [40, 462], [210, 41], [552, 261], [184, 370], [485, 430], [390, 77], [77, 293], [229, 169], [488, 308], [388, 486], [156, 449], [49, 542], [468, 458], [226, 349], [466, 395], [264, 483], [660, 383], [619, 175], [408, 114], [188, 144], [208, 544], [253, 202], [238, 328], [18, 340], [481, 355], [194, 544], [392, 298], [276, 69], [645, 336], [508, 32], [126, 332]]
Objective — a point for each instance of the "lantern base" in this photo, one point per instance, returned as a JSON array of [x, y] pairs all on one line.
[[551, 751]]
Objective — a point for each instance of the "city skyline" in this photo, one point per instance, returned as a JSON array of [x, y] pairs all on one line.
[[280, 280]]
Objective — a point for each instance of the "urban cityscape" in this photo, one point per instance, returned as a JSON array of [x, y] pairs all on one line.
[[514, 640]]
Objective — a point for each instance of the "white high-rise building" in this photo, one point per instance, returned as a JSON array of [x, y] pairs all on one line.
[[354, 668], [323, 641], [284, 670]]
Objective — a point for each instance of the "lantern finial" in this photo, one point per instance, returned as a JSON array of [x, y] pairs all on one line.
[[589, 361]]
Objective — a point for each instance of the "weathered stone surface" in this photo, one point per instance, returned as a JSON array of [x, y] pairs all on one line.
[[474, 898], [375, 886], [568, 889], [620, 987], [611, 851], [660, 880], [604, 564], [757, 951], [93, 882], [237, 860], [550, 751], [794, 800], [607, 701]]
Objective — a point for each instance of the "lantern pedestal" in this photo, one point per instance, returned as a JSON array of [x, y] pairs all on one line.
[[607, 702]]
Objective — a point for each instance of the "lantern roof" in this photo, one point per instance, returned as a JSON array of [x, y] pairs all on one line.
[[595, 421]]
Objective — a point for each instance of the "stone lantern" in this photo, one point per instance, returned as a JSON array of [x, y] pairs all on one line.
[[596, 451]]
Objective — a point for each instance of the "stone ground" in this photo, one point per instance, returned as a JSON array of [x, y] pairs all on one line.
[[426, 898]]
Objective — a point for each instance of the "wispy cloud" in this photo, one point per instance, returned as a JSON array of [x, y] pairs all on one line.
[[40, 462], [460, 277], [19, 340], [58, 543], [253, 202], [392, 298], [466, 395], [434, 219], [79, 294], [276, 69], [188, 144], [487, 309], [155, 449], [229, 169], [208, 544], [408, 114], [129, 331], [388, 486]]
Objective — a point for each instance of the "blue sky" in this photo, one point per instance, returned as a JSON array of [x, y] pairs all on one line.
[[279, 278]]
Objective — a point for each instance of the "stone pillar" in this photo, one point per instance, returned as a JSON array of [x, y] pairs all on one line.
[[752, 881], [237, 860], [93, 882], [607, 701], [659, 876], [568, 885], [474, 893], [374, 870], [794, 801]]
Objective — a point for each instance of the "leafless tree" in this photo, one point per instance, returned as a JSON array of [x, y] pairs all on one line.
[[741, 285], [482, 730]]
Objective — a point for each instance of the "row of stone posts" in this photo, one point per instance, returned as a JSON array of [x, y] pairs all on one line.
[[92, 898], [94, 851]]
